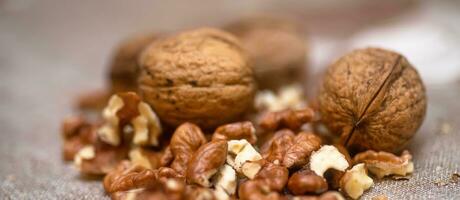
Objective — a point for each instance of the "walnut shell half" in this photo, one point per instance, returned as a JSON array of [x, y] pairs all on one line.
[[374, 98], [200, 76]]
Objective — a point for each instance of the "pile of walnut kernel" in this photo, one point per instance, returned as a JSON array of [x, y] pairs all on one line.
[[158, 140]]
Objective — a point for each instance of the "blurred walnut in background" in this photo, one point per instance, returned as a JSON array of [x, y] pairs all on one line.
[[276, 47], [123, 68], [121, 73], [200, 76]]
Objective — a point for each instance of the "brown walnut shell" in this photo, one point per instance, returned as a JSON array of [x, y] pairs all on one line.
[[277, 47], [374, 98], [200, 76]]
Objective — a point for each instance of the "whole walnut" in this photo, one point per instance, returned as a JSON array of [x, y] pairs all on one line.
[[277, 47], [373, 98], [123, 67], [200, 76]]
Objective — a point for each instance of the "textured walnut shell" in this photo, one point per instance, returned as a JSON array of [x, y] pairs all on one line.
[[123, 68], [374, 98], [201, 76], [276, 46]]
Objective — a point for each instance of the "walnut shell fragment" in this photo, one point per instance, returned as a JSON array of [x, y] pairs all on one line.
[[200, 76], [374, 98]]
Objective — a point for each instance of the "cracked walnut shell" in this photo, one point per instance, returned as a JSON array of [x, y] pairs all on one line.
[[374, 98], [200, 76]]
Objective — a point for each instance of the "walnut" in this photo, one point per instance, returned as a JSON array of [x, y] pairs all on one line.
[[128, 176], [167, 157], [171, 189], [225, 182], [206, 162], [123, 68], [374, 98], [277, 46], [145, 157], [383, 164], [275, 149], [127, 109], [243, 157], [77, 133], [306, 181], [283, 134], [184, 142], [331, 195], [275, 176], [355, 181], [298, 153], [257, 189], [195, 192], [236, 131], [327, 157], [332, 175], [100, 158], [288, 97], [93, 100], [200, 76], [292, 119]]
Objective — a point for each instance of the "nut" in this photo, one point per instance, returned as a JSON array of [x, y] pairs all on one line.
[[195, 192], [127, 177], [374, 98], [200, 76], [383, 164], [277, 145], [291, 119], [206, 162], [298, 153], [333, 176], [331, 195], [280, 143], [184, 142], [145, 158], [171, 189], [94, 100], [126, 109], [306, 181], [256, 189], [123, 69], [85, 153], [289, 97], [284, 62], [225, 182], [275, 176], [327, 157], [167, 157], [100, 158], [77, 133], [242, 157], [355, 181], [147, 127], [236, 131]]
